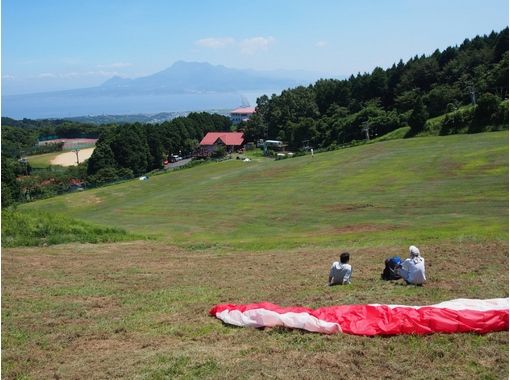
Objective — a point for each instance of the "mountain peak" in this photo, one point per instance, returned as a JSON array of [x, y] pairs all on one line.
[[116, 81]]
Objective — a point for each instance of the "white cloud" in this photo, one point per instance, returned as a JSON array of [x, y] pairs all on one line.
[[321, 44], [8, 77], [215, 42], [253, 45], [114, 65], [75, 74], [248, 46], [47, 75]]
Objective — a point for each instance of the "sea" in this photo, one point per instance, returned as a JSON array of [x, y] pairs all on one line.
[[43, 106]]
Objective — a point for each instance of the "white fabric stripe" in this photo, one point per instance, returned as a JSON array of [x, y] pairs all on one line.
[[267, 318], [464, 304]]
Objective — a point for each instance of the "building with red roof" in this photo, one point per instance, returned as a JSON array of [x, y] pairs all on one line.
[[231, 141], [241, 114]]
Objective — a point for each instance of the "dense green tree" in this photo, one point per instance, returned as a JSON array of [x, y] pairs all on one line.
[[439, 97], [501, 45], [11, 191], [102, 157], [377, 84], [130, 148], [418, 117], [486, 112], [154, 135]]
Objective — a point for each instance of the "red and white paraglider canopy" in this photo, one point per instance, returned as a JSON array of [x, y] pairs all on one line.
[[455, 316]]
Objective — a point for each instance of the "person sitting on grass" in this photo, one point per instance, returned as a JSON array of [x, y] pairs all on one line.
[[412, 269], [340, 273]]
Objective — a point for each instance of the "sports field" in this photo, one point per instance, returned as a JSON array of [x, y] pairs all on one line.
[[70, 159], [266, 230]]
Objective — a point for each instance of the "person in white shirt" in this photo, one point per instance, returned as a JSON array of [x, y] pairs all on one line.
[[412, 269], [340, 272]]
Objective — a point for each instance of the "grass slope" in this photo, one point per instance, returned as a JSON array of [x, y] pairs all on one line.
[[35, 228], [422, 189], [266, 231]]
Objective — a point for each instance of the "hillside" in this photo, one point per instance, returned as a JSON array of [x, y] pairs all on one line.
[[242, 232], [423, 189]]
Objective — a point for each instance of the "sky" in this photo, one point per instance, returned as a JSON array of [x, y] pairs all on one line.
[[63, 44]]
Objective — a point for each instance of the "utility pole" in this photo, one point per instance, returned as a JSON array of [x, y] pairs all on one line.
[[77, 158], [366, 129], [472, 92]]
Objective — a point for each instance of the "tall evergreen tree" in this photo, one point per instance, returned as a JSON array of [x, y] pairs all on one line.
[[419, 116]]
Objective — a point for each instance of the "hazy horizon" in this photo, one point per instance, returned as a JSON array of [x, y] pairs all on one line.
[[305, 75], [54, 46]]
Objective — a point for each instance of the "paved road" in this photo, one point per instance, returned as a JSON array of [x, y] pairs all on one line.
[[173, 165]]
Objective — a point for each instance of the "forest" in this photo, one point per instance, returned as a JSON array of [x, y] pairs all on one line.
[[336, 112], [134, 149]]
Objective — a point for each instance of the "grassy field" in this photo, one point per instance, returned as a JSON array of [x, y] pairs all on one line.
[[422, 189], [266, 231]]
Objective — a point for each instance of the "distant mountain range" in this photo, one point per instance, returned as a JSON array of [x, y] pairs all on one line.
[[138, 117], [184, 86], [200, 77]]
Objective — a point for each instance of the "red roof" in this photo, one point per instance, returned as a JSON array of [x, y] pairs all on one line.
[[228, 138], [244, 110]]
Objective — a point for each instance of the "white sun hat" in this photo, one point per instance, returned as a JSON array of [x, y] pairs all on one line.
[[414, 251]]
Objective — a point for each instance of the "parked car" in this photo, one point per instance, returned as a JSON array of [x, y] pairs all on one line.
[[174, 158]]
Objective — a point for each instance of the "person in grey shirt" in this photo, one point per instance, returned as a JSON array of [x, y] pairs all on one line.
[[340, 272]]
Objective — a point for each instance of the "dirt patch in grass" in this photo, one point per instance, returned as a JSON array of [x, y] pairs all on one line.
[[341, 207], [364, 227], [69, 158], [140, 310], [92, 199]]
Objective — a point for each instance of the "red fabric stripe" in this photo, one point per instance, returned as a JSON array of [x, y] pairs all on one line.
[[383, 320]]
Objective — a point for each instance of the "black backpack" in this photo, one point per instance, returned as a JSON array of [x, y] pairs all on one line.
[[390, 269]]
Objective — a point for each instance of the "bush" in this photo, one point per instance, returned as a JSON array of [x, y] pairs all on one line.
[[418, 117], [219, 152], [486, 113], [104, 175], [36, 228], [456, 122]]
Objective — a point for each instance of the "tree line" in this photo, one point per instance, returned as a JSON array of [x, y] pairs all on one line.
[[336, 112], [122, 151], [134, 149]]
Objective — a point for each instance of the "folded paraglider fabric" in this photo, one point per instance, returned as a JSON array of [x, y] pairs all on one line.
[[455, 316]]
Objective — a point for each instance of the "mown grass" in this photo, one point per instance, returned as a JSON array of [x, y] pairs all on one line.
[[37, 228], [425, 189], [140, 310]]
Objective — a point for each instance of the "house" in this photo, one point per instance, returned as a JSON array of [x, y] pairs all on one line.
[[230, 141], [241, 114]]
